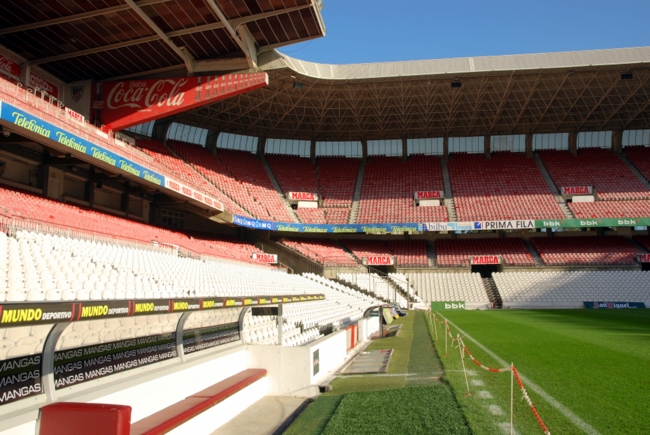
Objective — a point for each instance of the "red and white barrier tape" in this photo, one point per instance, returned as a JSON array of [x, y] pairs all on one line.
[[530, 402], [484, 367]]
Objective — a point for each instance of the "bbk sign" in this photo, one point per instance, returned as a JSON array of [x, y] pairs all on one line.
[[265, 258], [429, 194], [302, 196], [485, 259], [128, 103], [577, 190], [378, 260], [448, 305]]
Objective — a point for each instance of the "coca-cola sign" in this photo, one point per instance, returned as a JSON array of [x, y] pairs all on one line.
[[44, 85], [9, 67], [134, 102]]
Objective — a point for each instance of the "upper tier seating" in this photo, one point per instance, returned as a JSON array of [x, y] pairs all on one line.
[[179, 169], [18, 204], [322, 251], [643, 241], [240, 175], [411, 253], [610, 209], [466, 287], [333, 178], [639, 156], [509, 186], [572, 288], [586, 251], [596, 167], [389, 185], [457, 252]]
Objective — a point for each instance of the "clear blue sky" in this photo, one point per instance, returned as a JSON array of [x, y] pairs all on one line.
[[360, 31]]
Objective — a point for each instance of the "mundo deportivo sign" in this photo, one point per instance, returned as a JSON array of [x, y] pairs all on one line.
[[133, 102]]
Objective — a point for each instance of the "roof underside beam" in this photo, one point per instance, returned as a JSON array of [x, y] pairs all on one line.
[[77, 17], [251, 56]]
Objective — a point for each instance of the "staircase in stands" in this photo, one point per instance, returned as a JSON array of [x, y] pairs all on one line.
[[357, 288], [354, 212], [636, 172], [553, 187], [493, 292], [533, 253], [449, 196], [276, 185], [431, 254]]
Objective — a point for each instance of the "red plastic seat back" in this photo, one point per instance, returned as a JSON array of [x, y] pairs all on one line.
[[70, 418]]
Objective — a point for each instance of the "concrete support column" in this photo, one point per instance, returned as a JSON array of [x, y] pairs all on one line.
[[445, 148], [312, 151], [573, 143], [160, 129], [126, 197], [617, 141], [89, 191], [211, 141], [487, 146], [529, 145], [280, 323], [404, 148], [261, 145], [364, 150], [25, 72]]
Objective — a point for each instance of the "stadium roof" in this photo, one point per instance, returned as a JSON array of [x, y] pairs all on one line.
[[106, 39], [535, 93]]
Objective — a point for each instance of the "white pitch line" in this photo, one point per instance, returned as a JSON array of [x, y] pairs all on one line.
[[580, 423]]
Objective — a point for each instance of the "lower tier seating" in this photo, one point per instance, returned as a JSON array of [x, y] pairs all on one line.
[[457, 253], [322, 251], [374, 284], [445, 286], [585, 251], [572, 288]]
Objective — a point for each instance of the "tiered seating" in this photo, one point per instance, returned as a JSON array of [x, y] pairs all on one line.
[[466, 287], [509, 186], [610, 209], [333, 178], [374, 284], [403, 283], [322, 251], [240, 175], [596, 167], [21, 341], [639, 156], [643, 241], [411, 253], [585, 251], [179, 169], [571, 289], [17, 204], [457, 252], [389, 185]]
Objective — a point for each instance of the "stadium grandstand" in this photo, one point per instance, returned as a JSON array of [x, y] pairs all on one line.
[[183, 205]]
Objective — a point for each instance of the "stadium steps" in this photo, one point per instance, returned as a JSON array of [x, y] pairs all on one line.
[[399, 289], [492, 292], [354, 212], [639, 246], [357, 288], [536, 258], [348, 252], [551, 185], [636, 172], [431, 254], [449, 196], [279, 191]]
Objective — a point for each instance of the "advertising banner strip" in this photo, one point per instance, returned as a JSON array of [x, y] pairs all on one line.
[[9, 67], [38, 313], [448, 305], [322, 228], [593, 223], [20, 378], [614, 305], [133, 102], [78, 365], [28, 122], [193, 194]]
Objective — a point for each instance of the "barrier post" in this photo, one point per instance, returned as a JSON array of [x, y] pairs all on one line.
[[446, 334], [512, 400], [461, 347], [435, 328]]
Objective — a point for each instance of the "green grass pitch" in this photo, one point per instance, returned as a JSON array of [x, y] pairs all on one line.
[[596, 363]]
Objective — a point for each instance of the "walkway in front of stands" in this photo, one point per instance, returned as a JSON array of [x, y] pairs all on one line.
[[268, 416]]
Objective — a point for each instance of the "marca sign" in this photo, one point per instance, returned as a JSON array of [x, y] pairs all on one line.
[[433, 194], [378, 260], [265, 258], [644, 258], [302, 196], [9, 67], [133, 102], [485, 259], [577, 190]]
